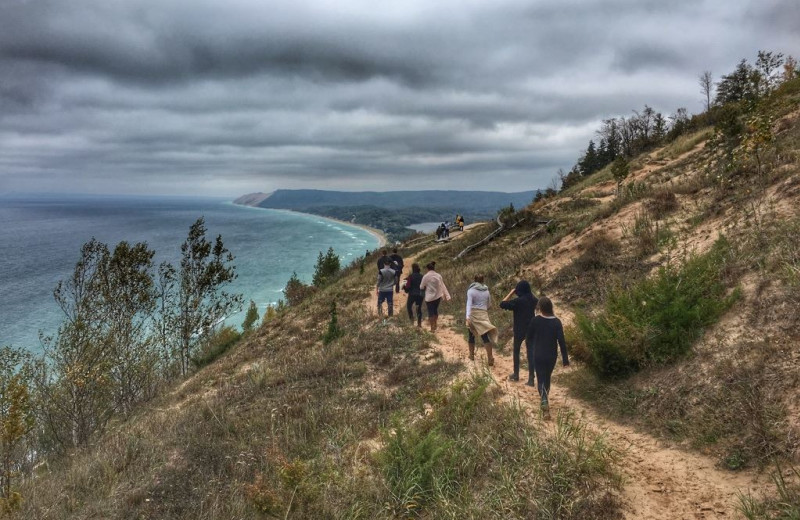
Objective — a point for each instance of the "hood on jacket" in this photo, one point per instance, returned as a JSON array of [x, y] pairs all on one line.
[[478, 286], [523, 288]]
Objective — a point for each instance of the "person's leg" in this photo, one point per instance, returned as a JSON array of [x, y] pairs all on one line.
[[471, 343], [419, 310], [409, 305], [390, 301], [380, 303], [531, 369], [515, 375], [397, 276], [487, 343]]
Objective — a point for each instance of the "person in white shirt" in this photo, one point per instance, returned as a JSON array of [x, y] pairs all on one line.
[[435, 290]]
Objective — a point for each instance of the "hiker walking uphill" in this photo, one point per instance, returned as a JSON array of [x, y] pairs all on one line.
[[415, 293], [478, 324], [384, 260], [523, 306], [546, 335], [397, 265], [385, 289], [435, 290]]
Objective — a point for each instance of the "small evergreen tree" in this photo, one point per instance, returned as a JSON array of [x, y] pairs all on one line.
[[327, 267], [333, 331], [620, 170], [250, 318], [295, 290]]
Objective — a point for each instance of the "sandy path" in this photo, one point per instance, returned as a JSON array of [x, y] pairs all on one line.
[[661, 482]]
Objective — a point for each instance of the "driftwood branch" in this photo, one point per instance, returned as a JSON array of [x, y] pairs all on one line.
[[488, 238], [544, 224]]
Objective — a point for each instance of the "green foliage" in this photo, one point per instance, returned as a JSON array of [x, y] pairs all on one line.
[[333, 331], [16, 417], [296, 291], [620, 170], [205, 269], [250, 318], [326, 269], [658, 319], [215, 345]]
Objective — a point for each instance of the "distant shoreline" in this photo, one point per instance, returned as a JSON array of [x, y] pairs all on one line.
[[377, 233]]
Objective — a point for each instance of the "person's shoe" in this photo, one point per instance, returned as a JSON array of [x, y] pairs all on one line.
[[513, 377], [545, 405], [530, 382]]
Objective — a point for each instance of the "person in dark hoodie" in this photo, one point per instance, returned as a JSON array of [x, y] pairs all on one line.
[[523, 307], [546, 334], [415, 294], [397, 265]]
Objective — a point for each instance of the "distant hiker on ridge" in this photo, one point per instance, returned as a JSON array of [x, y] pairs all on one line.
[[478, 324], [523, 306], [545, 334], [415, 293], [435, 290], [385, 289], [398, 268]]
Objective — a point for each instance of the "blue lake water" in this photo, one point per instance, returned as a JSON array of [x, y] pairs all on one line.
[[41, 237]]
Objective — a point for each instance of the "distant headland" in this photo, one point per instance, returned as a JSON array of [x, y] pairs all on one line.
[[391, 211]]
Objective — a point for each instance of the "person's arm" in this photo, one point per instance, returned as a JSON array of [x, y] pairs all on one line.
[[469, 304], [423, 282], [446, 292], [531, 334], [509, 295], [509, 305], [562, 343]]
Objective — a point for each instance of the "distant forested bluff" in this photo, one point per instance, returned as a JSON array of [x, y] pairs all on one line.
[[391, 211]]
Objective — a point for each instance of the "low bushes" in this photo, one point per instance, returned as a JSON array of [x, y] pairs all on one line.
[[657, 320]]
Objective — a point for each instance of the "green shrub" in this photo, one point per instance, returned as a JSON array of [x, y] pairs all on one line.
[[657, 320], [216, 345], [786, 506]]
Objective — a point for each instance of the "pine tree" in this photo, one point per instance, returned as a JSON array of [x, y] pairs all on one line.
[[250, 318], [327, 267], [620, 170]]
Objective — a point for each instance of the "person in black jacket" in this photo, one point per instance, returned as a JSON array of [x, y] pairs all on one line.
[[546, 334], [415, 294], [398, 268], [523, 306], [384, 260]]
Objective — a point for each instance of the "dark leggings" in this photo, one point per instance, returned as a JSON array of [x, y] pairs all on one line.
[[544, 369], [412, 301], [433, 307], [529, 353], [471, 339]]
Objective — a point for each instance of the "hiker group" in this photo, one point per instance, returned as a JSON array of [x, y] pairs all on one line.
[[535, 323]]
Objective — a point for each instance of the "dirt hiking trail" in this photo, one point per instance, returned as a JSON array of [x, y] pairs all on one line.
[[660, 482]]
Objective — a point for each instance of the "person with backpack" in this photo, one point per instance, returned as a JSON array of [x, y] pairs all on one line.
[[546, 335], [478, 324], [397, 265], [435, 290], [523, 307], [415, 293], [385, 289]]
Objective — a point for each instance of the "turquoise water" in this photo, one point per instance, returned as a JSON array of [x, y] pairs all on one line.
[[41, 239]]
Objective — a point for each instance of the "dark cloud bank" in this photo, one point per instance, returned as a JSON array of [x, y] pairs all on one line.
[[178, 96]]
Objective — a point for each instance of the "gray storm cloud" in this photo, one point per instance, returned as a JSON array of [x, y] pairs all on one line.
[[173, 96]]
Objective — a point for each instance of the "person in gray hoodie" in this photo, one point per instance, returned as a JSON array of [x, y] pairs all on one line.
[[385, 289], [477, 319]]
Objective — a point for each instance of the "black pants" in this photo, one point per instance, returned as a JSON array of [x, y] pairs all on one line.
[[544, 369], [397, 275], [528, 352], [412, 301], [433, 307], [471, 339]]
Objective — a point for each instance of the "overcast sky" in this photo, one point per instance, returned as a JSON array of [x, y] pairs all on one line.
[[234, 96]]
